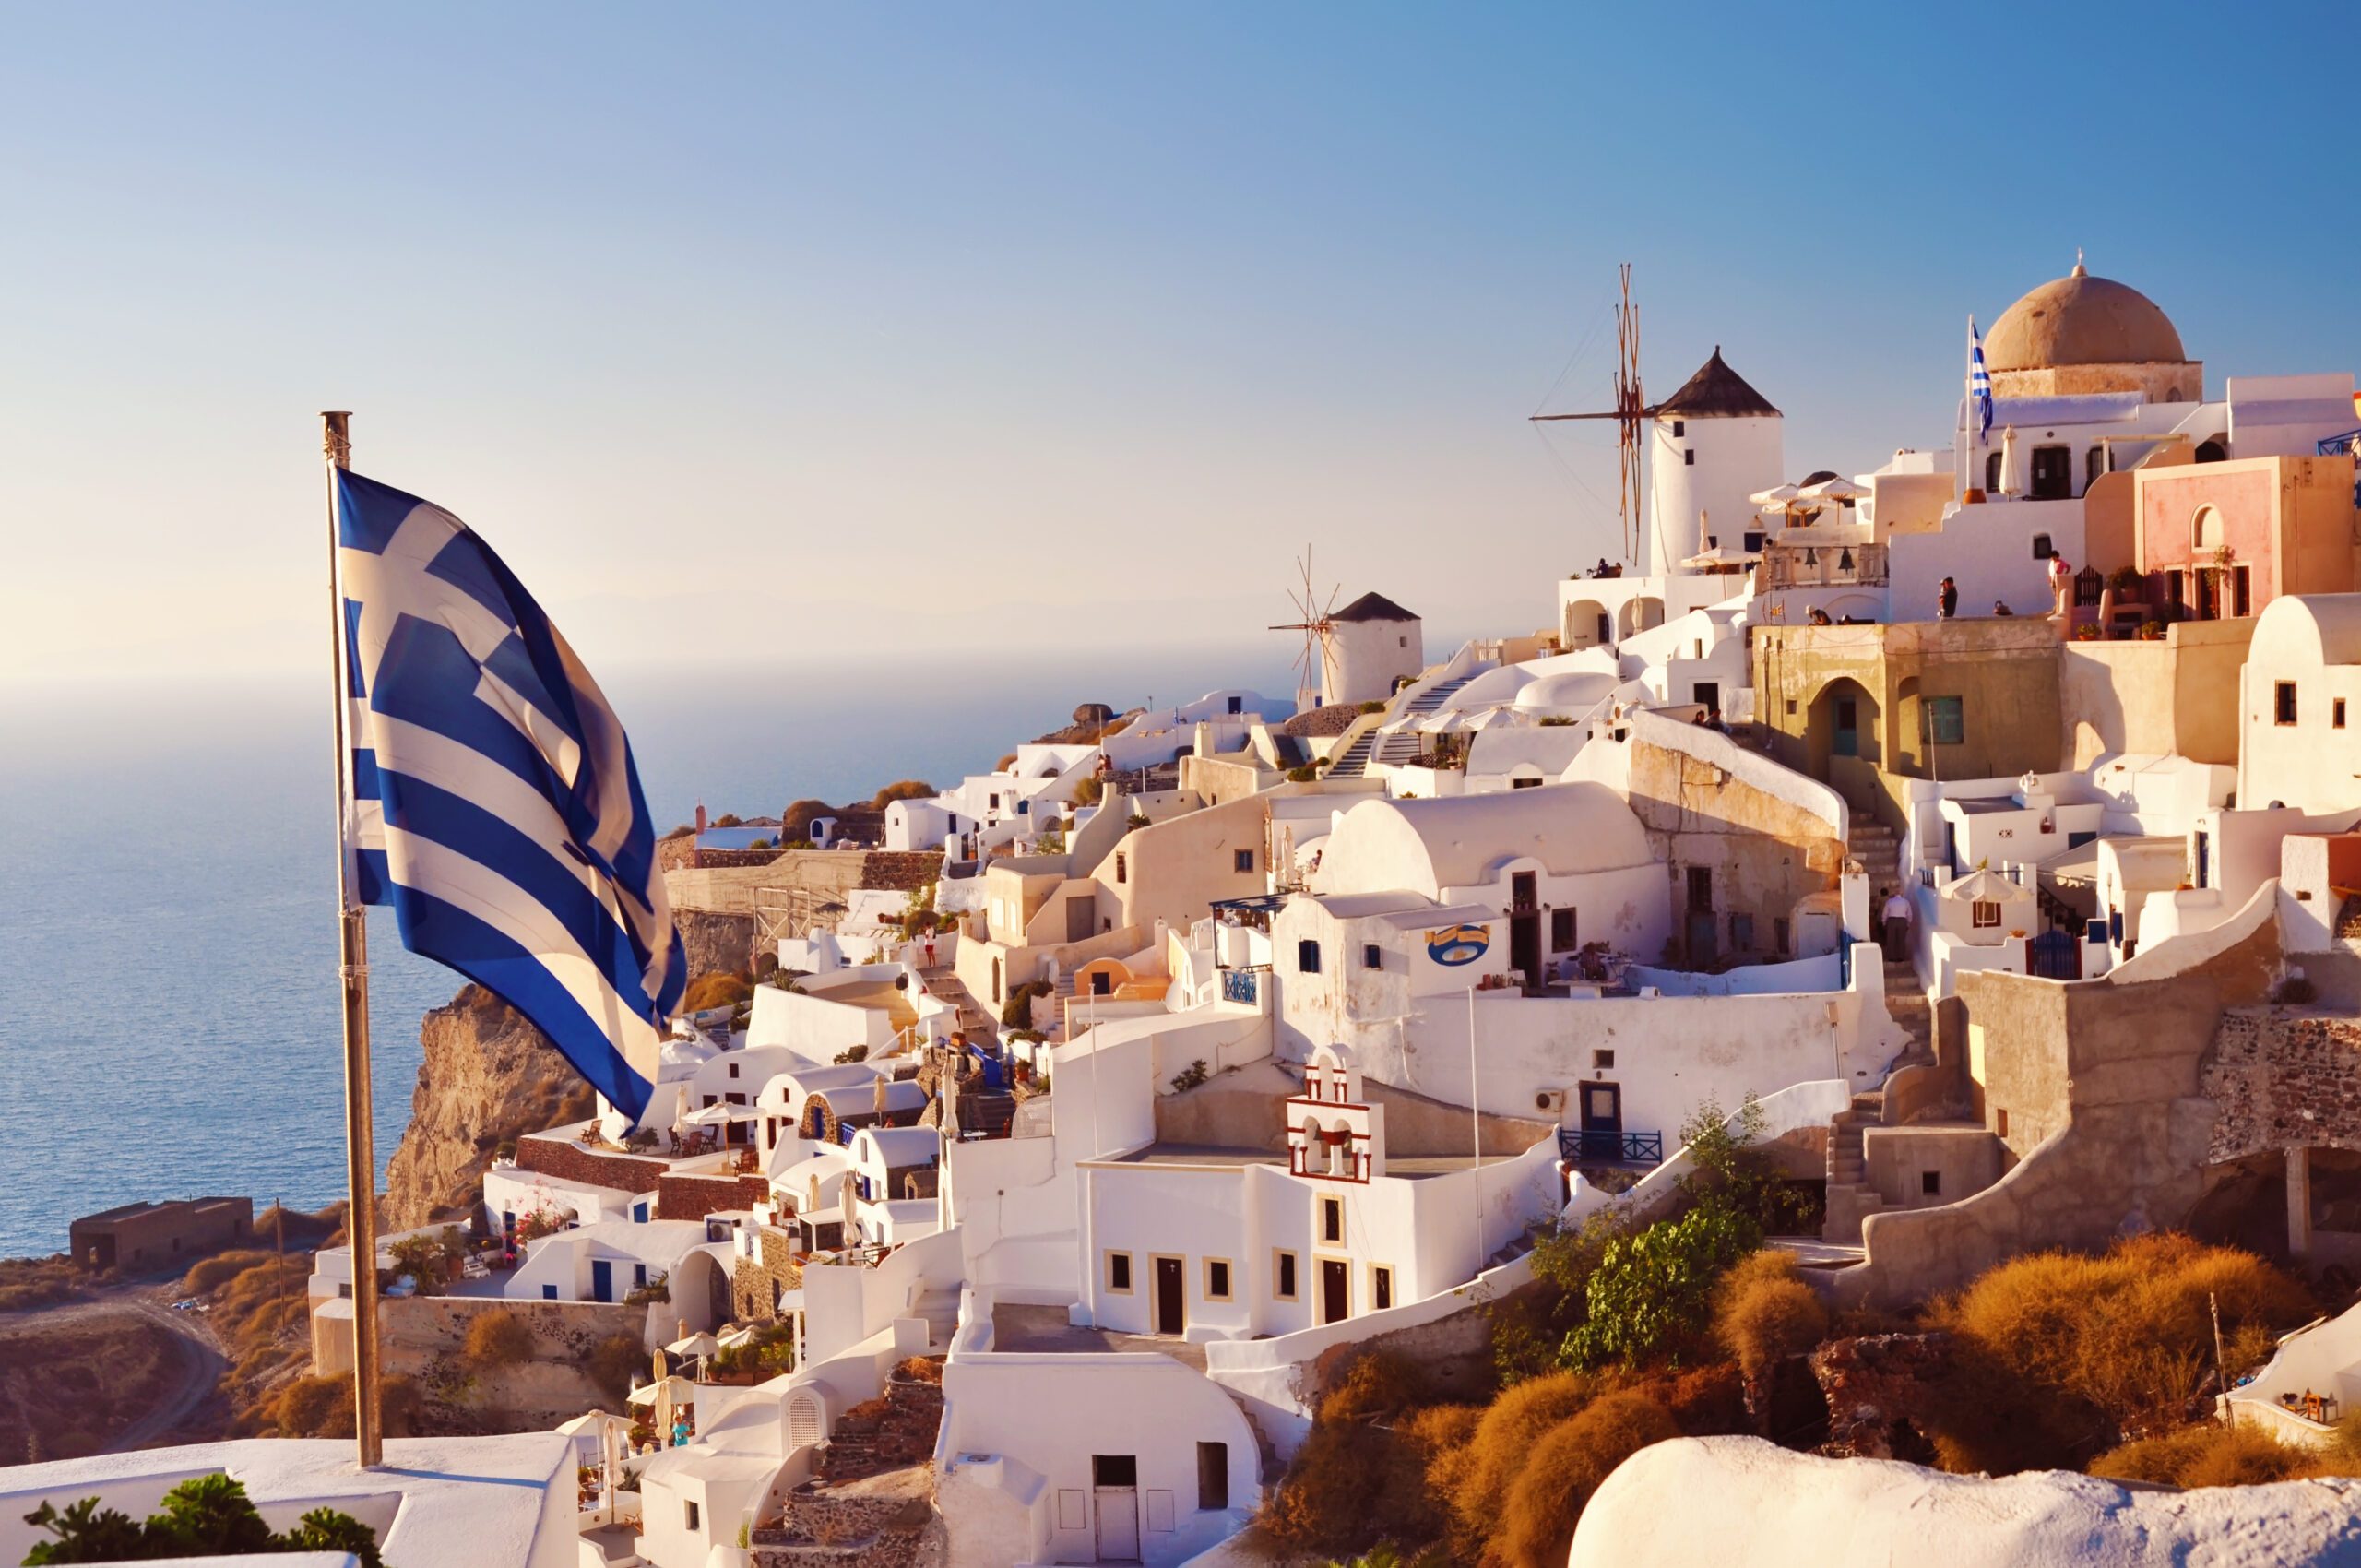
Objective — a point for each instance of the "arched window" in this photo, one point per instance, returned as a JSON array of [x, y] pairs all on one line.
[[2205, 530]]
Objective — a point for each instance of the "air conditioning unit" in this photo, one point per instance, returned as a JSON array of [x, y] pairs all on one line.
[[1550, 1101]]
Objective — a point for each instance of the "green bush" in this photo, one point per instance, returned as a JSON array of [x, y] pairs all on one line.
[[204, 1516], [1016, 1012], [1652, 1294], [614, 1361]]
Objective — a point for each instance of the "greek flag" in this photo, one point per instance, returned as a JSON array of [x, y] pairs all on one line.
[[1979, 381], [491, 797]]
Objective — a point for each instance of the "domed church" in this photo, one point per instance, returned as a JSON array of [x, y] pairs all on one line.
[[2085, 334]]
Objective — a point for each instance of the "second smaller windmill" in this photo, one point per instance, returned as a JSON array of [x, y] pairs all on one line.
[[1315, 619]]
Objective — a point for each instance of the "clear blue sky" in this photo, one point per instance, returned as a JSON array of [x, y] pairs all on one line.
[[747, 332]]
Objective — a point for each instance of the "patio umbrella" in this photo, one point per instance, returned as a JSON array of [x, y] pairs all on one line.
[[2010, 481], [681, 1106], [1834, 491], [719, 1115], [1778, 495]]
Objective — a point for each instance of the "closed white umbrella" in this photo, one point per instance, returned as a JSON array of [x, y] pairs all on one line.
[[2010, 481]]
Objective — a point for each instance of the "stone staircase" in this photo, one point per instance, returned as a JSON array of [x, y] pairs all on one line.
[[1850, 1197], [1872, 843], [1371, 749], [1873, 846], [944, 981]]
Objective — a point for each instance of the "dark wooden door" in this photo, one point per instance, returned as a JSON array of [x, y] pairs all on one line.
[[1335, 1290], [1172, 1312], [1524, 946]]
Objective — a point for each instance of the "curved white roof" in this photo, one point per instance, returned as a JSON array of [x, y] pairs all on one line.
[[1573, 693], [1459, 840], [1491, 686], [899, 1146], [2322, 629]]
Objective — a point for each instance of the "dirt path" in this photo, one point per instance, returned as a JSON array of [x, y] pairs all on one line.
[[201, 1361]]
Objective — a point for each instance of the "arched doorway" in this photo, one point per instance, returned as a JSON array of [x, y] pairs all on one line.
[[1845, 744], [1588, 625], [1638, 615], [700, 1292]]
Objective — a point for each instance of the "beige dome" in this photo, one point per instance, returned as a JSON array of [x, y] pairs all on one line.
[[2080, 319]]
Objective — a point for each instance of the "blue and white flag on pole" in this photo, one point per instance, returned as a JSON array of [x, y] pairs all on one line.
[[493, 799], [1979, 382]]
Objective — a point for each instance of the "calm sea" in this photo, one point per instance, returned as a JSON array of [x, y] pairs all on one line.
[[168, 1015]]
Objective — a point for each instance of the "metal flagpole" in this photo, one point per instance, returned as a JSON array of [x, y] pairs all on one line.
[[1476, 1125], [360, 1154]]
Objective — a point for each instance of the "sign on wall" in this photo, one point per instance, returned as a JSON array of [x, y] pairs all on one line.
[[1456, 944]]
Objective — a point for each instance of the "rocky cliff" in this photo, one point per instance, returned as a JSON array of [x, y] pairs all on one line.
[[487, 1075]]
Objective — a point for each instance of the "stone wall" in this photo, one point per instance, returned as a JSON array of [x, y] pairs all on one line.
[[2284, 1077], [2107, 1085], [834, 873], [563, 1159], [751, 1281], [885, 1434], [424, 1337], [694, 1198], [716, 941]]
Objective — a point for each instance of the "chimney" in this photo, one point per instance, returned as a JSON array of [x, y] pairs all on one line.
[[700, 816]]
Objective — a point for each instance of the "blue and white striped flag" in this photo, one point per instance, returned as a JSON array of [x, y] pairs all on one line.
[[1979, 382], [493, 801]]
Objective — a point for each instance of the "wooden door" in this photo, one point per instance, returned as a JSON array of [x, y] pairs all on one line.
[[1335, 1290], [602, 1280], [1171, 1307]]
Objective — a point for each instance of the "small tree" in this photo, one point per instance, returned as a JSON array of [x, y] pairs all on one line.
[[1652, 1294]]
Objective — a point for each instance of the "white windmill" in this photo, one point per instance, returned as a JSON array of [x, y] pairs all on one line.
[[1315, 620]]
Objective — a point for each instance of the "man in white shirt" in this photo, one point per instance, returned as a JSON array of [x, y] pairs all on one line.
[[1897, 924]]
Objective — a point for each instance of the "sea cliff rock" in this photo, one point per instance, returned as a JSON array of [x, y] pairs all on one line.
[[487, 1075]]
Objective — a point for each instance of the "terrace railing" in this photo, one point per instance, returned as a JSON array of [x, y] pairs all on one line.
[[1599, 1146]]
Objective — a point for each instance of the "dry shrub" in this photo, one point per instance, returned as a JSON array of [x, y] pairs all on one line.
[[498, 1337], [1764, 1312], [716, 988], [1379, 1386], [221, 1267], [1565, 1469], [1705, 1402], [1474, 1479], [1360, 1476], [2128, 1331], [314, 1406], [921, 1369], [321, 1406], [1440, 1427], [2210, 1454]]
